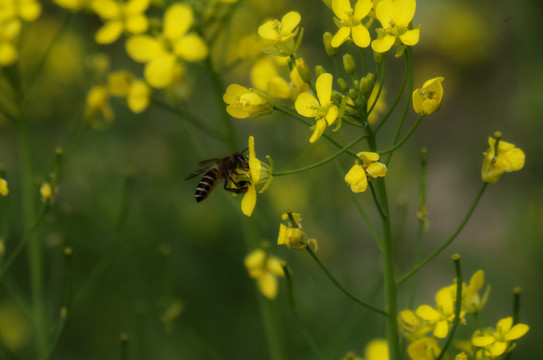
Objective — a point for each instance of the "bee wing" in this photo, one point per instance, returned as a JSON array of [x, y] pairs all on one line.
[[198, 172]]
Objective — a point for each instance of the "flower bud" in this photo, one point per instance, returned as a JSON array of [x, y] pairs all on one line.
[[366, 84], [319, 70], [353, 94], [303, 70], [327, 40], [349, 64], [342, 84]]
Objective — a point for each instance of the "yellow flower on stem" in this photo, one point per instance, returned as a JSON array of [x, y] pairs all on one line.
[[278, 37], [472, 302], [119, 17], [258, 176], [395, 17], [349, 22], [244, 103], [4, 191], [161, 54], [366, 168], [427, 99], [497, 342], [265, 269], [502, 157], [442, 316], [291, 235], [323, 110]]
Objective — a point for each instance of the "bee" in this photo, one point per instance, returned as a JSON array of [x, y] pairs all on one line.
[[217, 169]]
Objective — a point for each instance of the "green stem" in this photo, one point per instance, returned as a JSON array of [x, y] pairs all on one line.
[[381, 84], [292, 303], [341, 288], [430, 257], [322, 162], [403, 140], [458, 305]]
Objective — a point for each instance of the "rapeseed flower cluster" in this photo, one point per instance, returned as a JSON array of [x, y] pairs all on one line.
[[13, 13], [265, 269]]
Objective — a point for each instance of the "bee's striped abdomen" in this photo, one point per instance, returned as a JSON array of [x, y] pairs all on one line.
[[210, 179]]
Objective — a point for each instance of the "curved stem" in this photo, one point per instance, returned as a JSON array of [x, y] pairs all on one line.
[[403, 140], [322, 162], [430, 257], [341, 288]]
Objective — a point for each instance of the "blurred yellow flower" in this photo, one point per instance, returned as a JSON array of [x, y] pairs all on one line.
[[161, 53], [507, 158], [278, 37], [27, 10], [244, 103], [265, 269], [423, 349], [4, 191], [136, 91], [120, 17], [366, 168], [411, 326], [472, 302], [73, 5], [15, 327], [427, 99], [442, 316], [9, 32], [323, 110], [98, 109], [497, 342], [46, 192], [349, 22], [395, 17], [377, 349]]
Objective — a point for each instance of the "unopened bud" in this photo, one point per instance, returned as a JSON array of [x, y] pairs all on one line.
[[378, 57], [303, 70], [327, 40], [342, 84], [366, 84], [352, 94], [349, 64], [319, 70]]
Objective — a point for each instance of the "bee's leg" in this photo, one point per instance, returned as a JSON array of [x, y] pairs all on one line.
[[242, 186]]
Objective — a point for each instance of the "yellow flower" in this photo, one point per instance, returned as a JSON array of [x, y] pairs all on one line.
[[292, 234], [376, 349], [46, 192], [411, 326], [427, 99], [4, 191], [119, 17], [423, 349], [9, 32], [98, 109], [278, 36], [472, 302], [258, 176], [136, 91], [323, 110], [395, 17], [349, 22], [367, 168], [508, 158], [498, 341], [161, 54], [442, 316], [244, 103], [265, 77], [265, 269], [27, 10]]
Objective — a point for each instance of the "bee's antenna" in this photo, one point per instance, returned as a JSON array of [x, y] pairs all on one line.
[[244, 150]]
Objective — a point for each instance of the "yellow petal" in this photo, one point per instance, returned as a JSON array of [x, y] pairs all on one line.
[[362, 9], [368, 157], [106, 9], [8, 54], [427, 312], [516, 332], [30, 11], [512, 160], [119, 83], [233, 93], [376, 350], [248, 202], [275, 266], [159, 72], [410, 37], [262, 72], [178, 19], [137, 24], [324, 88], [403, 13], [498, 348], [341, 8], [268, 31], [109, 32], [135, 7], [306, 105], [191, 48], [139, 96], [504, 325], [383, 44], [4, 191], [283, 239], [267, 284], [361, 36], [442, 329], [384, 11], [341, 35], [318, 130], [376, 169], [482, 341], [143, 48], [289, 22], [356, 178], [477, 281], [332, 114]]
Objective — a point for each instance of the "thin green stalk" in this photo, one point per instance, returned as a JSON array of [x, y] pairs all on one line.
[[292, 304], [381, 84], [364, 65], [397, 99], [377, 202], [322, 162], [403, 140], [430, 257], [190, 118], [387, 250], [341, 288], [457, 308], [338, 68], [304, 121], [409, 58]]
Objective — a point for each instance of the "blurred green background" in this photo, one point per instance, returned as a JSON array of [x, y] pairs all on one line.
[[172, 275]]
